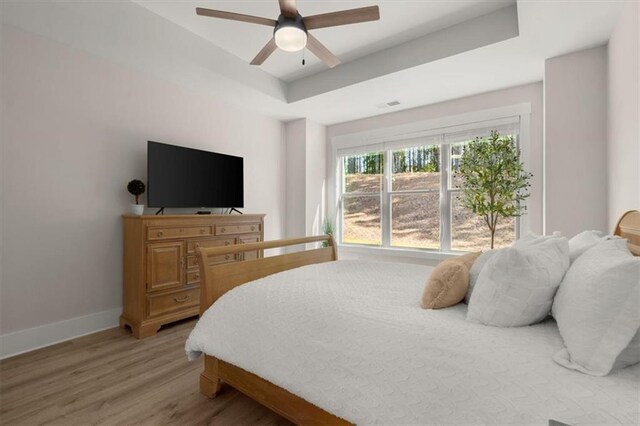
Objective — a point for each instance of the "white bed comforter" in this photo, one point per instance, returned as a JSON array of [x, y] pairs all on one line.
[[351, 338]]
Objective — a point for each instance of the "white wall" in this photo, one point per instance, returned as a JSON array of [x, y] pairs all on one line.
[[295, 136], [316, 163], [74, 131], [306, 163], [575, 90], [623, 133]]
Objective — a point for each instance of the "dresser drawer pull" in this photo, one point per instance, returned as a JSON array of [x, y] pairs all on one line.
[[196, 276], [253, 228], [227, 257], [226, 243], [182, 299], [202, 230], [160, 233], [223, 230], [197, 245]]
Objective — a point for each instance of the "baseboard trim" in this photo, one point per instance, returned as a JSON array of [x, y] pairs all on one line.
[[22, 341]]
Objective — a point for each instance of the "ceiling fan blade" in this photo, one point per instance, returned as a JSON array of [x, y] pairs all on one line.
[[321, 51], [343, 17], [288, 8], [266, 51], [235, 16]]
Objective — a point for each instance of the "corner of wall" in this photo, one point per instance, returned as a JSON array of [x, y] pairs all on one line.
[[575, 125], [623, 114]]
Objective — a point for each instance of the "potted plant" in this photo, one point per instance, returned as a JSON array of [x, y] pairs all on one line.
[[327, 229], [136, 188], [494, 182]]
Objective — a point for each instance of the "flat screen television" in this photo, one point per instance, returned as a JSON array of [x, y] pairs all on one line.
[[186, 177]]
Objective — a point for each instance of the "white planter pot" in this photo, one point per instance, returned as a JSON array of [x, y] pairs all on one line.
[[137, 209]]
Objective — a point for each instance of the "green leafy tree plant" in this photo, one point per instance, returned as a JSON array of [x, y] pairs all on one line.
[[494, 182]]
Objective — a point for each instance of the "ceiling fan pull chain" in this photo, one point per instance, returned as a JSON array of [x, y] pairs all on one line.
[[303, 61]]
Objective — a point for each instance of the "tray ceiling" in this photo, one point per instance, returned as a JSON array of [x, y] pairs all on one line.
[[400, 21], [421, 52]]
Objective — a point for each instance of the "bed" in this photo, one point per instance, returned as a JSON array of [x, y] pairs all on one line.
[[340, 342]]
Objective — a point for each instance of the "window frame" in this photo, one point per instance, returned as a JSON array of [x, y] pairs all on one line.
[[408, 132]]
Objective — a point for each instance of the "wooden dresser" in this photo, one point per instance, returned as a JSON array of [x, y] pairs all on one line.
[[161, 275]]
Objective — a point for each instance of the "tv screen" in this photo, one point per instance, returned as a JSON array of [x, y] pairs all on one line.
[[186, 177]]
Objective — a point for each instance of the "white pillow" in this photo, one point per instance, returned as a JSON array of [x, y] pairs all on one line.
[[474, 272], [527, 240], [531, 239], [517, 285], [630, 355], [583, 242], [598, 309]]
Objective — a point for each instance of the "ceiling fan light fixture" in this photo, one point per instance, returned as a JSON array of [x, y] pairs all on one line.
[[290, 34], [291, 39]]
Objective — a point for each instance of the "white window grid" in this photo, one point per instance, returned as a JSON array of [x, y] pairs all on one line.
[[446, 193]]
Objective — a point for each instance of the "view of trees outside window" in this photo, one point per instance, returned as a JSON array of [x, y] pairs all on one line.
[[415, 197], [414, 207], [361, 202]]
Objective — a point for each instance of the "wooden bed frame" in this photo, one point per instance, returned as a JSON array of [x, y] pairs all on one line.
[[218, 279], [629, 227]]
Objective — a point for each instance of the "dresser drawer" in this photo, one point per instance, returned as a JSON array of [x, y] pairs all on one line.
[[248, 239], [218, 242], [193, 277], [192, 261], [167, 303], [237, 228], [165, 233]]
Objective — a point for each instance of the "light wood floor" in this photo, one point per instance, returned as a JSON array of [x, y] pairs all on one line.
[[112, 378]]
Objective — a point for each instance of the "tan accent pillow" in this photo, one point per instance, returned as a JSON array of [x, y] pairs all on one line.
[[448, 283], [468, 259]]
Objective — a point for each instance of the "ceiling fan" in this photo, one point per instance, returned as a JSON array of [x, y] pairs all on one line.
[[290, 30]]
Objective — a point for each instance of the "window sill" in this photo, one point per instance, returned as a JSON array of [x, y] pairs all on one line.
[[430, 255]]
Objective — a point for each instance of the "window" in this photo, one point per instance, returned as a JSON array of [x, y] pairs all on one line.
[[404, 193], [362, 199]]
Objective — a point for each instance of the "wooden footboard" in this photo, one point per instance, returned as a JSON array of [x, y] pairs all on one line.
[[217, 280]]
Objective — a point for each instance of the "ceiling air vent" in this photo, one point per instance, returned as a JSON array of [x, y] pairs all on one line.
[[388, 104]]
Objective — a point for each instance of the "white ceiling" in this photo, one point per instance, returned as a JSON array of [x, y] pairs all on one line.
[[176, 45], [400, 21]]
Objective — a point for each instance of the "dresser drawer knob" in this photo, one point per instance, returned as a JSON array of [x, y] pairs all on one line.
[[202, 230], [196, 276], [197, 245], [227, 257], [222, 230], [253, 228], [182, 299], [160, 233], [226, 243]]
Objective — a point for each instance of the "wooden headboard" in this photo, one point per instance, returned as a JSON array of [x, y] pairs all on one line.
[[629, 227]]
